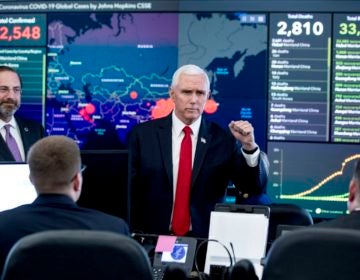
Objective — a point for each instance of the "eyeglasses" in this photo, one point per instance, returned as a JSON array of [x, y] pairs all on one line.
[[83, 167], [6, 90]]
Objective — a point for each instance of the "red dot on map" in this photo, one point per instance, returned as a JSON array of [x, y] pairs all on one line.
[[90, 108], [162, 108], [133, 94], [211, 106], [82, 112]]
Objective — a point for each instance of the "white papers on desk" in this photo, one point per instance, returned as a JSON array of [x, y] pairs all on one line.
[[246, 231]]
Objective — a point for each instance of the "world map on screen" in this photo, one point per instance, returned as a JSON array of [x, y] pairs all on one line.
[[107, 72]]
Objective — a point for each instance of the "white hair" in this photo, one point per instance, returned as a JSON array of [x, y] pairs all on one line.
[[189, 69]]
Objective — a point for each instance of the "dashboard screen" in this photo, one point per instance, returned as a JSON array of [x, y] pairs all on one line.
[[92, 70]]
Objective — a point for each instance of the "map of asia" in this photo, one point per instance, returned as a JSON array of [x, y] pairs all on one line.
[[107, 72]]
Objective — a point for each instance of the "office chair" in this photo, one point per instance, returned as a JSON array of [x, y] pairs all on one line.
[[314, 254], [77, 255], [286, 214]]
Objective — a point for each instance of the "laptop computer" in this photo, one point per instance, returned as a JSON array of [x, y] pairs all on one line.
[[180, 251], [182, 254]]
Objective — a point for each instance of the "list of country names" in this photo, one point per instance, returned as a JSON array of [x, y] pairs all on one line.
[[299, 77], [346, 79]]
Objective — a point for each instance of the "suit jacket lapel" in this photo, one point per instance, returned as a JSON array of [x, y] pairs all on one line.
[[24, 131], [165, 140], [202, 145], [5, 154]]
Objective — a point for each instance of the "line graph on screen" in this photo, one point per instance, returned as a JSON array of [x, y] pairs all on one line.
[[306, 195], [293, 178]]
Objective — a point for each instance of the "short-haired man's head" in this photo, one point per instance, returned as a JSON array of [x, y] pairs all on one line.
[[356, 173], [54, 161], [5, 68], [189, 69], [354, 189]]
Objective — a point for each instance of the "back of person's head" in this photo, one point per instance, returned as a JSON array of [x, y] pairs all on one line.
[[356, 173], [189, 69], [174, 272], [243, 269], [354, 188], [54, 163]]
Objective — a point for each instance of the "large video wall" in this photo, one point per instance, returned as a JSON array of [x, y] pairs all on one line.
[[94, 69]]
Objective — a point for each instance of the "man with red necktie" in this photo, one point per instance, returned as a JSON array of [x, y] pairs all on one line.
[[165, 198]]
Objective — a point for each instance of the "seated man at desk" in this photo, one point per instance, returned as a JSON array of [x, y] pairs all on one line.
[[55, 171], [351, 221]]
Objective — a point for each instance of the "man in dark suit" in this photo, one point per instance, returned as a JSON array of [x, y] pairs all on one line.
[[56, 173], [352, 220], [25, 132], [217, 157]]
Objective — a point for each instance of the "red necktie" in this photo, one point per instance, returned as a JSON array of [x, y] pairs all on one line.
[[181, 215]]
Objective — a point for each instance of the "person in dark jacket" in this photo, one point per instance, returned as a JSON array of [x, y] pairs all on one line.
[[24, 132], [56, 172], [351, 220], [218, 155]]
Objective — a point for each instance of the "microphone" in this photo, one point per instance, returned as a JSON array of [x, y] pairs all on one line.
[[233, 252]]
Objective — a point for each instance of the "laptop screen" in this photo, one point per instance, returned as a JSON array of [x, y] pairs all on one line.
[[15, 188]]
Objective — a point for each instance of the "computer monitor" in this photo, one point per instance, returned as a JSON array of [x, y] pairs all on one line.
[[105, 181], [15, 188]]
